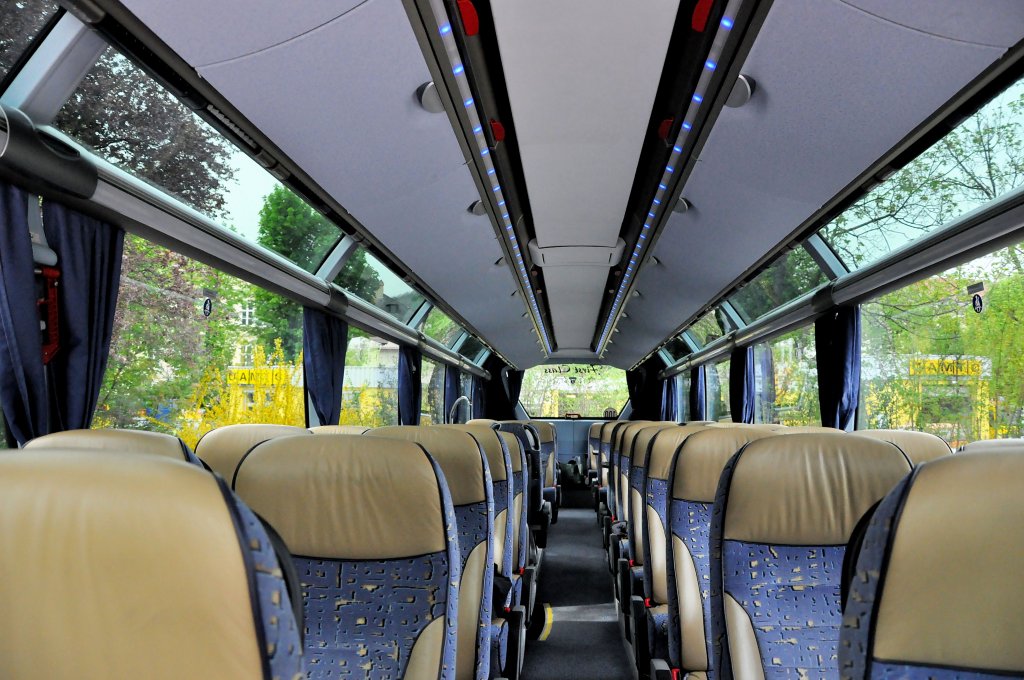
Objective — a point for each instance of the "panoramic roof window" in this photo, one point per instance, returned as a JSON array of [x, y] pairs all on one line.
[[789, 277], [711, 327], [367, 277], [127, 118], [471, 348], [981, 160], [677, 348], [20, 22], [586, 390], [438, 326]]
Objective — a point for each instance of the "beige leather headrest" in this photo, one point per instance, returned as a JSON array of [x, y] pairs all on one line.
[[811, 429], [483, 421], [120, 566], [663, 449], [607, 429], [343, 496], [986, 445], [767, 427], [458, 454], [222, 448], [492, 444], [624, 436], [808, 489], [703, 457], [920, 447], [595, 430], [952, 594], [643, 439], [544, 429], [339, 429], [127, 441], [515, 450]]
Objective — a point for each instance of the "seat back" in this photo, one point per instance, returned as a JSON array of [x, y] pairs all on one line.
[[614, 452], [520, 501], [605, 450], [625, 437], [934, 595], [135, 566], [548, 451], [469, 482], [223, 448], [500, 462], [593, 445], [637, 479], [984, 445], [784, 511], [529, 439], [115, 440], [379, 559], [920, 447], [693, 483], [340, 429]]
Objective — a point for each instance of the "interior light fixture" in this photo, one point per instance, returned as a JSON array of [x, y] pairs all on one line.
[[429, 99], [681, 206], [742, 91], [477, 208]]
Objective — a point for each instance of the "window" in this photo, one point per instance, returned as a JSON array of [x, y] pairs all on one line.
[[465, 411], [20, 23], [438, 326], [708, 328], [247, 314], [471, 348], [370, 391], [981, 160], [786, 380], [931, 362], [678, 348], [432, 382], [717, 377], [789, 277], [127, 118], [682, 385], [367, 277], [585, 389], [172, 368]]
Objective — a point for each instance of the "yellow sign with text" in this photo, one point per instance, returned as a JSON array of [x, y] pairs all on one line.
[[950, 367], [259, 376]]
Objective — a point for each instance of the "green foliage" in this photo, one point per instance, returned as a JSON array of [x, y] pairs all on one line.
[[551, 391], [359, 277]]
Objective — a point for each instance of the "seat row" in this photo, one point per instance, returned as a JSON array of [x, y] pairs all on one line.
[[729, 545], [406, 551]]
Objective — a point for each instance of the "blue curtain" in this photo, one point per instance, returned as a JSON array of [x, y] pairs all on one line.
[[698, 404], [89, 258], [324, 342], [741, 384], [479, 401], [497, 404], [514, 385], [668, 399], [645, 390], [837, 345], [22, 381], [452, 388], [410, 389]]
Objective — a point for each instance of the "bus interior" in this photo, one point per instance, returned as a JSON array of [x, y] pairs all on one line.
[[479, 339]]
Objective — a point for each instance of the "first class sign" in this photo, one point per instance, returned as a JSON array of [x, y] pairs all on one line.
[[568, 369]]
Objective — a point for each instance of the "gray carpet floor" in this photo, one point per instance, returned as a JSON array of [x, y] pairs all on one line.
[[585, 641]]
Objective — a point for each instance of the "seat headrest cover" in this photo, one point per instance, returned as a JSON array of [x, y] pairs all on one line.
[[703, 457], [339, 429], [811, 429], [607, 429], [492, 444], [663, 450], [595, 430], [122, 567], [224, 447], [134, 441], [951, 594], [515, 450], [985, 445], [624, 437], [920, 447], [490, 422], [458, 454], [642, 441], [808, 489], [545, 429], [346, 497]]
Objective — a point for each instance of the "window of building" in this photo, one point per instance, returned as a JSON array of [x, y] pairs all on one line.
[[981, 160], [432, 383], [931, 362], [128, 119], [247, 314], [552, 391], [20, 23], [187, 382], [370, 391], [789, 277], [366, 277], [786, 380], [438, 326], [717, 391]]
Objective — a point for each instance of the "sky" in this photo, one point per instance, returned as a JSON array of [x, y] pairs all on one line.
[[245, 195]]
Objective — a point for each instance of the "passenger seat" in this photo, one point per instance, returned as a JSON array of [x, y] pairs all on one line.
[[937, 590], [920, 447], [115, 440], [340, 429], [136, 566], [378, 558], [784, 511], [223, 448]]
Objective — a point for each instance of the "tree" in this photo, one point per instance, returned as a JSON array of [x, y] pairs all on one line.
[[22, 21]]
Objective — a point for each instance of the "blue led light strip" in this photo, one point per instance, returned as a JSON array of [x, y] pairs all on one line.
[[661, 195], [466, 95]]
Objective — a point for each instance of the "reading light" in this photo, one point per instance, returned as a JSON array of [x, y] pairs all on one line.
[[429, 99], [477, 208], [681, 206], [742, 91]]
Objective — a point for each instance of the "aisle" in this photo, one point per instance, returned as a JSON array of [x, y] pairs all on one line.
[[584, 640]]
